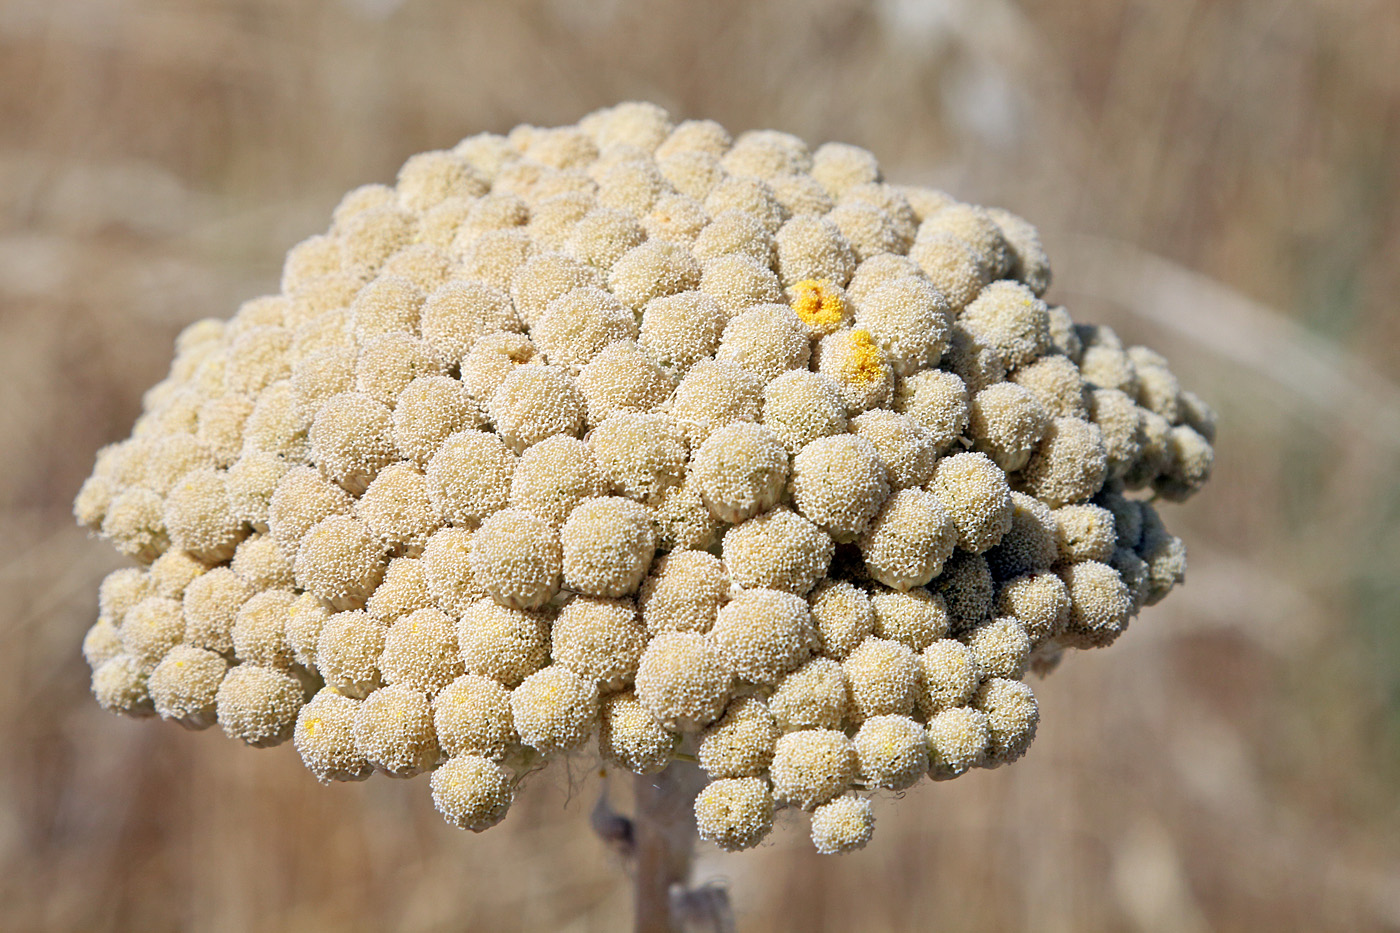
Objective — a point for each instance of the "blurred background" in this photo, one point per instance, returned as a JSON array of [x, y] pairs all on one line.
[[1218, 179]]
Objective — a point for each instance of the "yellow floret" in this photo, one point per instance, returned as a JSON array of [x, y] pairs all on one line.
[[843, 616], [325, 739], [599, 639], [554, 709], [812, 766], [393, 729], [883, 677], [472, 716], [469, 476], [472, 792], [735, 813], [741, 743], [858, 367], [420, 651], [815, 696], [909, 539], [820, 304], [631, 736], [504, 644], [608, 544], [957, 740], [259, 705], [185, 685], [347, 652], [683, 593]]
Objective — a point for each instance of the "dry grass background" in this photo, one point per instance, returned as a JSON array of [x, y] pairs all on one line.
[[1218, 179]]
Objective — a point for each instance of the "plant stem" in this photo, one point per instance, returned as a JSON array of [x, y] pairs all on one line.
[[663, 833]]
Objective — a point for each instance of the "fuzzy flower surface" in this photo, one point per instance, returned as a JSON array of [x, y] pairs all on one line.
[[636, 442]]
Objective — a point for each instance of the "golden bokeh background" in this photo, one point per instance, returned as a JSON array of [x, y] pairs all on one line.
[[1219, 179]]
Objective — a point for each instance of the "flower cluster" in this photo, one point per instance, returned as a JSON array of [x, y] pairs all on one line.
[[635, 436]]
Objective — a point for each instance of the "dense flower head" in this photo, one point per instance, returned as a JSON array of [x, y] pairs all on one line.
[[638, 440]]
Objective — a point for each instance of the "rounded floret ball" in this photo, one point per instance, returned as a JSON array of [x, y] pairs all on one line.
[[1070, 464], [843, 616], [684, 679], [1085, 532], [599, 639], [348, 650], [741, 743], [883, 677], [429, 410], [259, 629], [1100, 604], [554, 709], [1055, 382], [735, 813], [915, 618], [843, 825], [714, 394], [1031, 543], [472, 716], [905, 447], [259, 705], [950, 676], [967, 587], [341, 560], [742, 469], [1009, 317], [1000, 647], [977, 499], [1006, 422], [352, 439], [622, 379], [909, 320], [607, 546], [393, 729], [535, 402], [472, 792], [641, 456], [210, 605], [504, 644], [325, 738], [120, 685], [958, 739], [909, 540], [813, 766], [630, 735], [1012, 717], [778, 550], [198, 519], [554, 476], [937, 401], [682, 329], [767, 340], [184, 686], [420, 651], [840, 483], [683, 593], [891, 752], [858, 367], [815, 696], [763, 634], [1039, 600], [151, 628], [516, 556], [801, 406]]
